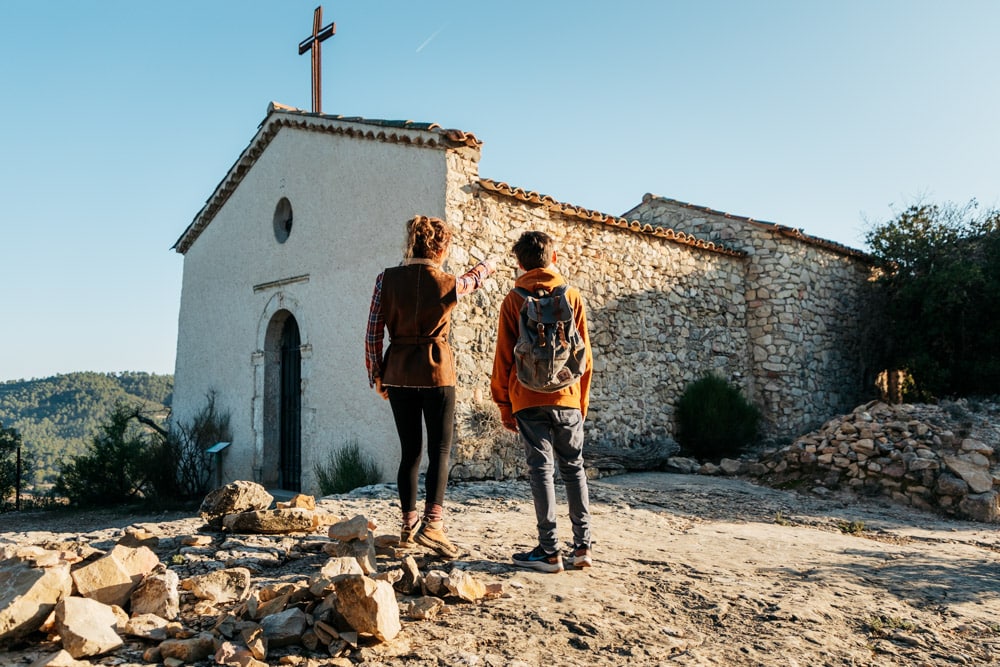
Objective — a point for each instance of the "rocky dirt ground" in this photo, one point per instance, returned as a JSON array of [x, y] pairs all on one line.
[[689, 570]]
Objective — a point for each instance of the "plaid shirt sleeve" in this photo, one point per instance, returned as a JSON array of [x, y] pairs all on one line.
[[374, 334], [473, 279]]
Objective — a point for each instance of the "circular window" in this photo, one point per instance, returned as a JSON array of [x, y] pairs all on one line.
[[283, 220]]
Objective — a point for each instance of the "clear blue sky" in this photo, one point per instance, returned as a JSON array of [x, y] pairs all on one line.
[[120, 117]]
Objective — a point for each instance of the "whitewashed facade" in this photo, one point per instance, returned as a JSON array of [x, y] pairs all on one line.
[[350, 188]]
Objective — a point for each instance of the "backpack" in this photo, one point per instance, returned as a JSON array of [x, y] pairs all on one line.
[[550, 353]]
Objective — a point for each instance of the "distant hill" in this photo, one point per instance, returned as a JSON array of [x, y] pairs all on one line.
[[57, 416]]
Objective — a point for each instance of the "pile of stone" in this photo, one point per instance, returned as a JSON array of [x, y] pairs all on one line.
[[935, 457], [349, 589]]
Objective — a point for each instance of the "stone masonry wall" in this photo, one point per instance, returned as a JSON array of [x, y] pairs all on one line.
[[660, 314], [802, 299], [778, 318]]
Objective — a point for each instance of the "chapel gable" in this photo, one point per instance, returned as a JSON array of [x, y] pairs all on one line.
[[282, 117]]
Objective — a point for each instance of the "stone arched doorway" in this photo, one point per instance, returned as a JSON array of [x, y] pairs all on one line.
[[282, 405]]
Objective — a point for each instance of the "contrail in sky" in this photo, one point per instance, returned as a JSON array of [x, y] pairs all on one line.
[[428, 40]]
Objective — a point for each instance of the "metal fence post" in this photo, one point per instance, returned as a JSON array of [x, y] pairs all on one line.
[[17, 482]]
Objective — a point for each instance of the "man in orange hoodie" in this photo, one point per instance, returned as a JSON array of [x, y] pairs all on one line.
[[550, 424]]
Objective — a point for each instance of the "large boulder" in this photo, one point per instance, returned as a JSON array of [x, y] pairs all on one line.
[[234, 498], [983, 507], [158, 594], [29, 593], [112, 578], [976, 476], [220, 586], [189, 650], [86, 627], [271, 522], [369, 606], [285, 627]]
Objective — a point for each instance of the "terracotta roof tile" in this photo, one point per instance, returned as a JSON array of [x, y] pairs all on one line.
[[590, 215], [451, 135]]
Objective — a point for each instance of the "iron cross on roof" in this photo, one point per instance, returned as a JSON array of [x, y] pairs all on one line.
[[312, 43]]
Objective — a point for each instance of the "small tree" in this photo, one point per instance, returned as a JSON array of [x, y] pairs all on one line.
[[113, 469], [714, 419], [933, 305]]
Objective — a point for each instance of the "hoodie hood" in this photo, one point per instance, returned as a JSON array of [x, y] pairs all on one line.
[[546, 278]]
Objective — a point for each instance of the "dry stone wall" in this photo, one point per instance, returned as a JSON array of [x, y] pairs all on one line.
[[803, 300], [933, 457]]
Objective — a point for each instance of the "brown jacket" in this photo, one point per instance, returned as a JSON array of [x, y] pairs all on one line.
[[509, 394], [417, 300]]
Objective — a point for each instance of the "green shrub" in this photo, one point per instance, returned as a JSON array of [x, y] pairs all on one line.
[[714, 419], [112, 470], [851, 527], [345, 469]]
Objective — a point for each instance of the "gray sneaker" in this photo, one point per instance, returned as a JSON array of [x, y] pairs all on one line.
[[539, 559]]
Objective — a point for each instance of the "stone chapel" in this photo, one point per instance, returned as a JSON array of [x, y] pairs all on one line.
[[280, 263]]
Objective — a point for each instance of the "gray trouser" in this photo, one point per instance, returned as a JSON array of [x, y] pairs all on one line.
[[547, 431]]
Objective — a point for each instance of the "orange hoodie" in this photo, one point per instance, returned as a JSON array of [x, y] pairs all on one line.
[[509, 394]]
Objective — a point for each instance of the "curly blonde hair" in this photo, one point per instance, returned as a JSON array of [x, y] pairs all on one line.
[[426, 237]]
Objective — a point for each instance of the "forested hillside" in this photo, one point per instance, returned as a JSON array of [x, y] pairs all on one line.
[[57, 416]]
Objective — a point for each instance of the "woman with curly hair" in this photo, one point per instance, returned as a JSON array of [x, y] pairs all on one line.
[[413, 302]]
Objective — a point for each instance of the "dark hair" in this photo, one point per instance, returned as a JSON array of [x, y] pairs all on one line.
[[426, 238], [534, 250]]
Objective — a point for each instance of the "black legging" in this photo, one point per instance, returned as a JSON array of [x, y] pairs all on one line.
[[411, 408]]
